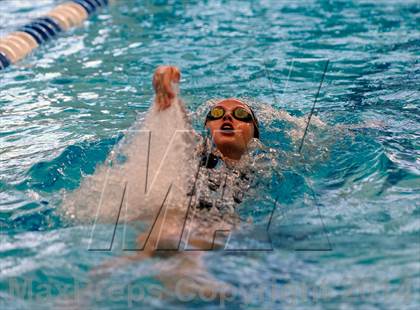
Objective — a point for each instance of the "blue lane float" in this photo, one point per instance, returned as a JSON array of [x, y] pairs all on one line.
[[50, 22], [4, 62], [86, 5]]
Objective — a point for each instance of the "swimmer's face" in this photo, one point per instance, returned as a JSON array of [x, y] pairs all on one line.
[[230, 135]]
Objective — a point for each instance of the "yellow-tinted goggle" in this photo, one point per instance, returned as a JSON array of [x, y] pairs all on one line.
[[239, 113]]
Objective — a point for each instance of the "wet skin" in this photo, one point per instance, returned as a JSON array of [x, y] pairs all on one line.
[[231, 136]]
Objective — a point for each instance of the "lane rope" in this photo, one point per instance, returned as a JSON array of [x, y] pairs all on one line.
[[18, 44]]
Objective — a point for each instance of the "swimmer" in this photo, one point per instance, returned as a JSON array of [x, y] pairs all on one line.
[[217, 193], [231, 122], [227, 169], [218, 190]]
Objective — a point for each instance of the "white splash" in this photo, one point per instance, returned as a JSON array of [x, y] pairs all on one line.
[[157, 151]]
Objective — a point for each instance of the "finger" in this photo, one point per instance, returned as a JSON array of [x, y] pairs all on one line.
[[171, 75]]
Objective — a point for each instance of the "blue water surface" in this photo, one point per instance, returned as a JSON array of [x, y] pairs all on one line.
[[350, 238]]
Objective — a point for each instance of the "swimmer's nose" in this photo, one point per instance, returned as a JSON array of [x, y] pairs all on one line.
[[227, 116]]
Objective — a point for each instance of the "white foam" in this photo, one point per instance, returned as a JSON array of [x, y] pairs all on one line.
[[168, 162]]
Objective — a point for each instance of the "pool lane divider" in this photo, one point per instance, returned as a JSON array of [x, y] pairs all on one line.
[[17, 45]]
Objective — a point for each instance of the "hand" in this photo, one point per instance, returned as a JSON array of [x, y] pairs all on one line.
[[164, 83]]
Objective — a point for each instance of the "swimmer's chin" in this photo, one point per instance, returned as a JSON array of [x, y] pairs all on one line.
[[225, 141]]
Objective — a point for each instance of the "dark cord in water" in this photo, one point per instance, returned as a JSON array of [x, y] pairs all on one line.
[[313, 106]]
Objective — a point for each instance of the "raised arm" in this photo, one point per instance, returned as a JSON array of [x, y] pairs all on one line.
[[166, 86]]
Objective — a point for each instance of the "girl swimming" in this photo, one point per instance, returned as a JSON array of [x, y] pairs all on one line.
[[222, 173]]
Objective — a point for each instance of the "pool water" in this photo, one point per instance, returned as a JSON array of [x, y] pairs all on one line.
[[351, 235]]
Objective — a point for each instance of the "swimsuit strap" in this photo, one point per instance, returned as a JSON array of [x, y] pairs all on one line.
[[209, 161]]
